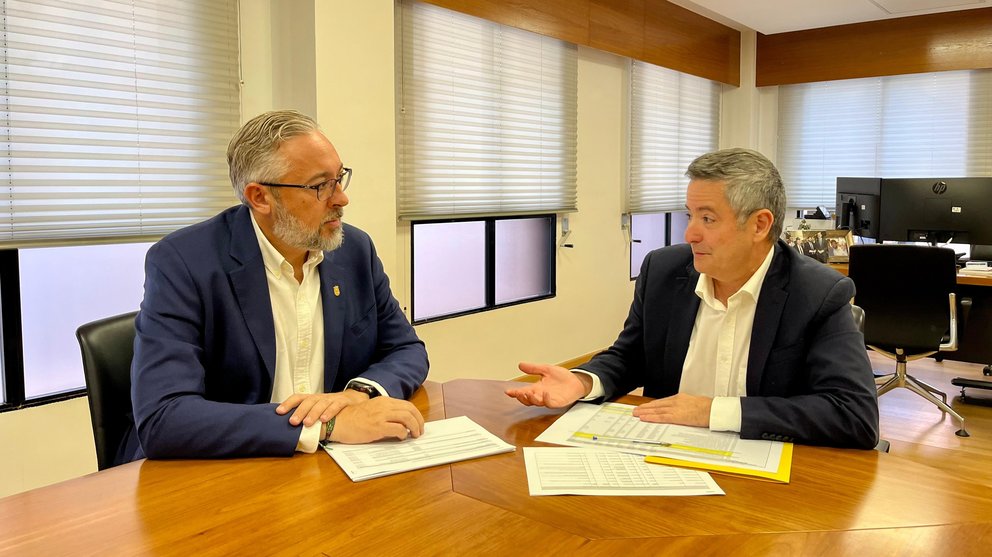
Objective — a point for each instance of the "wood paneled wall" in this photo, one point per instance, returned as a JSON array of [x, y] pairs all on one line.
[[960, 40], [654, 31]]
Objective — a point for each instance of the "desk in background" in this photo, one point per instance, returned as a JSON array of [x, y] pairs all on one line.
[[840, 502]]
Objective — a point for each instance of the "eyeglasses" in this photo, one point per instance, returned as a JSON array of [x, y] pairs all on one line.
[[324, 189]]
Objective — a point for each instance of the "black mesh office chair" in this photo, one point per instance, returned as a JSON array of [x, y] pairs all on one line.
[[108, 346], [907, 293]]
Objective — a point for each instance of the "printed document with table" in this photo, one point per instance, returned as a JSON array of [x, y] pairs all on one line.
[[613, 426]]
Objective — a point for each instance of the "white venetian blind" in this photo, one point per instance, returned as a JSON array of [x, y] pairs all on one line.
[[674, 118], [116, 117], [919, 125], [487, 117]]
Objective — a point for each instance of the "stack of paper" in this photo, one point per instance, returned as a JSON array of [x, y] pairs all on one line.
[[575, 471], [976, 271], [612, 426], [443, 441]]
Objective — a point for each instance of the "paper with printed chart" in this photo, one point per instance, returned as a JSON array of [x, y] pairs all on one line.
[[443, 441], [612, 426], [578, 471]]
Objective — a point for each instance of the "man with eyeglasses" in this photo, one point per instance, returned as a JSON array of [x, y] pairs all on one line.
[[271, 328]]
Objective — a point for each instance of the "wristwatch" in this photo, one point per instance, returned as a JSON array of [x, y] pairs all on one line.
[[363, 388]]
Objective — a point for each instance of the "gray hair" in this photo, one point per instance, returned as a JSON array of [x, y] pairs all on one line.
[[252, 155], [752, 183]]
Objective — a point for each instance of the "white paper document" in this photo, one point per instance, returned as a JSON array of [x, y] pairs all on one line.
[[443, 441], [612, 426], [578, 471]]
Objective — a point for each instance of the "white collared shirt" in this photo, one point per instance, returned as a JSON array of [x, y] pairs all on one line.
[[298, 317], [716, 362]]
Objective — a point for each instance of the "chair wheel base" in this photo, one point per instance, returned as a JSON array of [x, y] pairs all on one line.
[[962, 433]]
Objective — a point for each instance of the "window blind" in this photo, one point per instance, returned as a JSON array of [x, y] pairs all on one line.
[[674, 118], [487, 117], [116, 117], [919, 125]]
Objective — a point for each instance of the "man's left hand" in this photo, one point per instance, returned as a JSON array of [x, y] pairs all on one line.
[[314, 408], [679, 409]]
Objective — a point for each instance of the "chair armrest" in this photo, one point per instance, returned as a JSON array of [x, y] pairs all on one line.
[[952, 344]]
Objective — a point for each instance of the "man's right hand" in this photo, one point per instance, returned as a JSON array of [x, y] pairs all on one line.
[[379, 418], [557, 388]]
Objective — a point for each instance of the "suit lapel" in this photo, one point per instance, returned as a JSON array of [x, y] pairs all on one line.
[[684, 306], [334, 297], [768, 314], [251, 288]]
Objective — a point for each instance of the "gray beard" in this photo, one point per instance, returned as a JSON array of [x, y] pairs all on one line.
[[292, 231]]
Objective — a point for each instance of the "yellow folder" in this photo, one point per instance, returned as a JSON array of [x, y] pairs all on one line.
[[779, 476]]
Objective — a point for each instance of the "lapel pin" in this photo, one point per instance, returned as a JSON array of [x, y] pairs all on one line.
[[337, 290]]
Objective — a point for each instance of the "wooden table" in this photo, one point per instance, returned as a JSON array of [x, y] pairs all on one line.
[[840, 502]]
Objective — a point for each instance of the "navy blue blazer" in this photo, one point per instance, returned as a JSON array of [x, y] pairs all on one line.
[[808, 375], [205, 351]]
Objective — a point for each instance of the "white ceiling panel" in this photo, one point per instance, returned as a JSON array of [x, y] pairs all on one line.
[[780, 16]]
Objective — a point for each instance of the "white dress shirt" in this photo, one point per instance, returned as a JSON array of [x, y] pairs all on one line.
[[716, 361], [298, 317]]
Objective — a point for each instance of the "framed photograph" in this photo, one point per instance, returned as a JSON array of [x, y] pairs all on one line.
[[826, 246], [808, 224]]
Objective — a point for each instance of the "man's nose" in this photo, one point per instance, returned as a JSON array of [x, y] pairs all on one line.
[[338, 199], [692, 233]]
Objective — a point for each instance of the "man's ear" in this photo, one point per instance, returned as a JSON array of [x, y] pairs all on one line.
[[763, 220], [259, 198]]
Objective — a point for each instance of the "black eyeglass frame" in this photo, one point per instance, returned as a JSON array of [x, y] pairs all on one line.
[[326, 186]]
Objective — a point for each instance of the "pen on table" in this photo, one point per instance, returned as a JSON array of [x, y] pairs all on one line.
[[676, 446]]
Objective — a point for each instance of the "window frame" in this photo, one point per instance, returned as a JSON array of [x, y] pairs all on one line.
[[12, 348], [668, 237], [490, 257]]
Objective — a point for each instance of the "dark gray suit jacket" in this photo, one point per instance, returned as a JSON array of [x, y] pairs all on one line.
[[808, 375], [205, 351]]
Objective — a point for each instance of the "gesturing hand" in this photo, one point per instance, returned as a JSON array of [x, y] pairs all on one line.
[[558, 387], [379, 418]]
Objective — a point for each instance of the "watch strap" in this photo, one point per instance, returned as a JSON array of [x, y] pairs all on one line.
[[363, 388]]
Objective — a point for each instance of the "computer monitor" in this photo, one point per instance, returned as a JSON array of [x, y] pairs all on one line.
[[936, 210], [857, 205]]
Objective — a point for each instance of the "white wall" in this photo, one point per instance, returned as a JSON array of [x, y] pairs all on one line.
[[45, 444], [353, 90]]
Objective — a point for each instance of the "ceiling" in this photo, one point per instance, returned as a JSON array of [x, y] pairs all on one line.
[[780, 16]]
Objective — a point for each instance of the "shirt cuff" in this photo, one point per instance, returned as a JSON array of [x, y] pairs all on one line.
[[597, 390], [309, 438], [370, 383], [725, 414]]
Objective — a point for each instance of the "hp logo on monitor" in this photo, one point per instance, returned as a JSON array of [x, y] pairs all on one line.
[[939, 187]]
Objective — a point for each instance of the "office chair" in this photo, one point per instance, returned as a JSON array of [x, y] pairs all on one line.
[[107, 346], [907, 293]]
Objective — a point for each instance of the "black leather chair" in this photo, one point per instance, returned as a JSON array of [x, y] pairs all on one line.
[[907, 293], [108, 347]]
